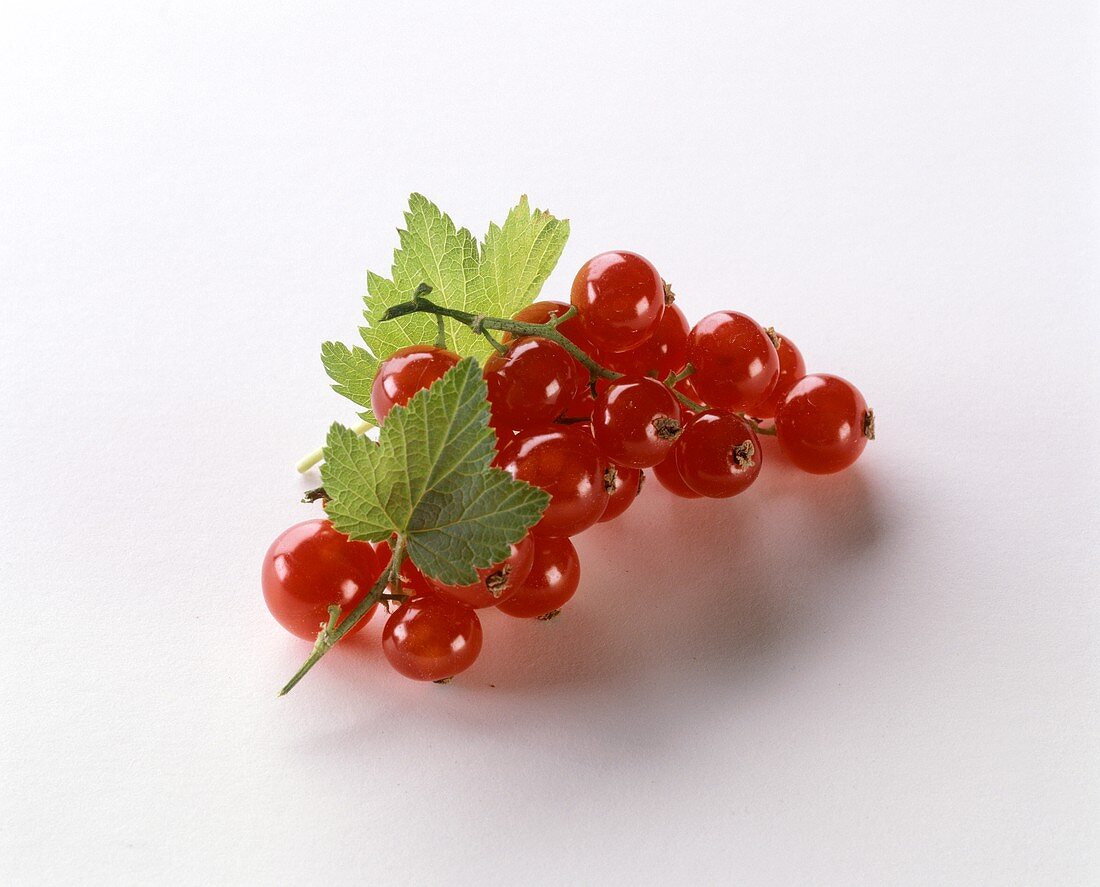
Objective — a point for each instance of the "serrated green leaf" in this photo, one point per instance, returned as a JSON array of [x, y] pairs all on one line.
[[352, 369], [517, 258], [429, 479], [498, 279]]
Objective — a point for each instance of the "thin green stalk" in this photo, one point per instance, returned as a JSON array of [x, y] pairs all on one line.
[[311, 459], [337, 628], [480, 322]]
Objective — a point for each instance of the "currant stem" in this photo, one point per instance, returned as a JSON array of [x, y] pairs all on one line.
[[311, 459], [337, 628], [756, 426], [479, 323]]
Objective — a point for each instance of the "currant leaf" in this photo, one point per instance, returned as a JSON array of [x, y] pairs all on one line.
[[429, 479], [497, 278]]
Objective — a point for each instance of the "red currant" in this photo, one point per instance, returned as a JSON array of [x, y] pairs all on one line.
[[496, 583], [405, 372], [553, 580], [619, 297], [564, 461], [533, 383], [791, 368], [668, 476], [718, 455], [312, 566], [662, 353], [823, 424], [623, 486], [736, 364], [636, 421], [431, 638]]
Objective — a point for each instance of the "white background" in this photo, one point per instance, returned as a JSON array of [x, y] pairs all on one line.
[[884, 677]]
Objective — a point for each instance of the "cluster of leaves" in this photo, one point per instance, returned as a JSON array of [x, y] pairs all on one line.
[[429, 477], [497, 277]]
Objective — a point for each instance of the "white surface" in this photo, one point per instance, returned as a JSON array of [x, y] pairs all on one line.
[[888, 677]]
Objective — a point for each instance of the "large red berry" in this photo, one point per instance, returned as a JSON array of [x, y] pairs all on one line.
[[736, 364], [431, 638], [405, 372], [718, 455], [532, 383], [496, 583], [636, 421], [662, 353], [623, 486], [791, 368], [619, 297], [554, 577], [312, 566], [823, 424], [564, 461]]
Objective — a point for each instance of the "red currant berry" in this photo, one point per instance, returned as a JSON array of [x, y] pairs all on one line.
[[623, 486], [636, 422], [553, 580], [564, 461], [533, 383], [791, 368], [413, 582], [823, 424], [662, 353], [668, 476], [718, 455], [312, 566], [736, 364], [619, 297], [431, 638], [405, 372], [496, 583]]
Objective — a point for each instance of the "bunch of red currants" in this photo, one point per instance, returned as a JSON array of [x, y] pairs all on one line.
[[687, 402]]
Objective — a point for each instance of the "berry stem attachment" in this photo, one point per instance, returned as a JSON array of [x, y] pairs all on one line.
[[311, 459], [480, 323], [757, 427], [336, 627]]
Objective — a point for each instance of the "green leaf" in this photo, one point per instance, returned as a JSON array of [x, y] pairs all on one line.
[[517, 259], [497, 278], [352, 369], [429, 479]]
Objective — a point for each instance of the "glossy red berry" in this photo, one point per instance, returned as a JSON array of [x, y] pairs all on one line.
[[823, 424], [718, 455], [668, 476], [636, 422], [662, 353], [405, 372], [619, 297], [564, 461], [431, 638], [791, 368], [497, 583], [623, 486], [736, 364], [312, 566], [554, 577], [532, 383]]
